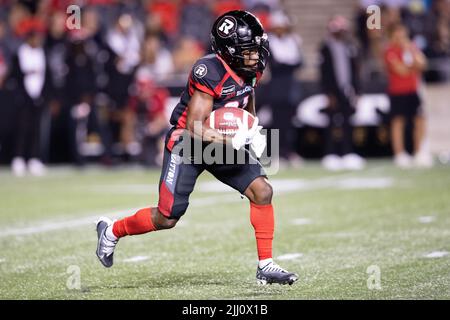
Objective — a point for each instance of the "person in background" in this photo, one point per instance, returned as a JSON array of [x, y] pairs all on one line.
[[186, 51], [405, 63], [195, 19], [56, 52], [156, 58], [339, 80], [148, 122], [31, 84], [79, 92], [285, 60], [3, 69], [437, 31], [124, 41]]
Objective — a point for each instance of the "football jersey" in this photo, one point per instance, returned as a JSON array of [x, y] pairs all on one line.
[[213, 76]]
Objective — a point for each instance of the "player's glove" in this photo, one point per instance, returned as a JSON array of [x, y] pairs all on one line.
[[243, 135], [259, 143]]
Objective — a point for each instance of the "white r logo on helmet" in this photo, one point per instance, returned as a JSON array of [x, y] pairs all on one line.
[[226, 26]]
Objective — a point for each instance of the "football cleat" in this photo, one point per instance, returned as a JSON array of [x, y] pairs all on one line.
[[105, 246], [273, 273]]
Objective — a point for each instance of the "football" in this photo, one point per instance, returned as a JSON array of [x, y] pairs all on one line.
[[224, 120]]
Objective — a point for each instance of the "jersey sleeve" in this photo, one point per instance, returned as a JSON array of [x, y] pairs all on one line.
[[205, 77]]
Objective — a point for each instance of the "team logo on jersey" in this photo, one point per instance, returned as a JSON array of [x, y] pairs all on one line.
[[226, 26], [200, 71], [245, 90], [228, 90]]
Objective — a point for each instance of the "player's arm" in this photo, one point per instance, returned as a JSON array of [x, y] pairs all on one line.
[[199, 109]]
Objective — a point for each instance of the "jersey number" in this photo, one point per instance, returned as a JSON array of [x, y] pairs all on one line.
[[235, 104]]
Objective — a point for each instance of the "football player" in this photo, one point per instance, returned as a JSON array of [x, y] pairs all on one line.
[[224, 79]]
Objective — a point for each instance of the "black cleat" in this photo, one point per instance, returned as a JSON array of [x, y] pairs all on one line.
[[273, 273], [105, 247]]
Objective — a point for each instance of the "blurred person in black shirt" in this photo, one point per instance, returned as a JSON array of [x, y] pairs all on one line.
[[30, 80], [340, 82], [285, 60]]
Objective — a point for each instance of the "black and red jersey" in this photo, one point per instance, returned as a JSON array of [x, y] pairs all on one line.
[[213, 76]]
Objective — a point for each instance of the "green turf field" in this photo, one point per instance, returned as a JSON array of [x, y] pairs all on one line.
[[331, 228]]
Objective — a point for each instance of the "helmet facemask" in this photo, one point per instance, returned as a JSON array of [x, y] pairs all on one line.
[[237, 56]]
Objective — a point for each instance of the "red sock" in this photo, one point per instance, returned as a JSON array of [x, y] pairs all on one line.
[[139, 223], [261, 217]]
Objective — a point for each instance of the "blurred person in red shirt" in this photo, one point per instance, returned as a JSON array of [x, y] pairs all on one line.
[[165, 15], [405, 64], [147, 120], [221, 6]]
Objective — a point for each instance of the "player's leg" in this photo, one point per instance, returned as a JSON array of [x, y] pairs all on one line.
[[260, 193], [250, 180], [176, 184]]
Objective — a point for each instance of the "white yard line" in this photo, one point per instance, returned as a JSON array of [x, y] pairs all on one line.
[[427, 219], [52, 225], [136, 259], [302, 221], [45, 226], [290, 256], [436, 254]]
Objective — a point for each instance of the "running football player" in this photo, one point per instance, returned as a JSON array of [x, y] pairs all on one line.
[[224, 79]]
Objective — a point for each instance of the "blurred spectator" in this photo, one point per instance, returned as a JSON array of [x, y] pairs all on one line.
[[124, 41], [147, 123], [186, 52], [286, 58], [222, 6], [3, 68], [339, 81], [438, 41], [414, 18], [164, 16], [31, 83], [372, 41], [405, 63], [17, 14], [196, 20], [262, 9], [80, 90], [31, 5], [156, 59], [3, 40], [270, 5], [56, 50]]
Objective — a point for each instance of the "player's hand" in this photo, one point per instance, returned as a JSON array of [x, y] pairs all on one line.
[[259, 143], [243, 135]]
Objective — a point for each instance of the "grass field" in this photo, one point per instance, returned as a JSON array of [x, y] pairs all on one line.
[[331, 228]]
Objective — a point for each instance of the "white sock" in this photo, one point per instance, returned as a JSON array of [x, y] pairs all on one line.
[[109, 233], [265, 262]]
